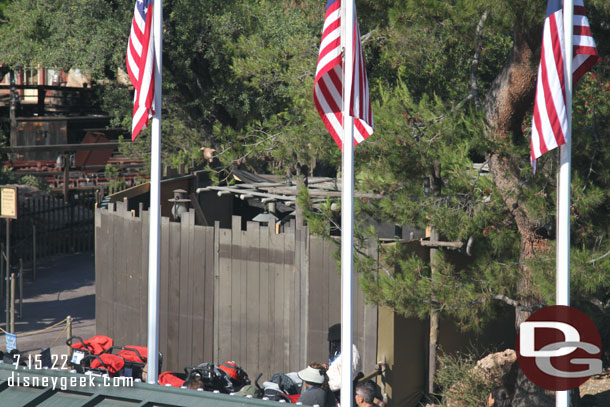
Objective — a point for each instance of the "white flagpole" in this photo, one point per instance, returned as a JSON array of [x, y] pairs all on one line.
[[562, 288], [154, 242], [347, 205]]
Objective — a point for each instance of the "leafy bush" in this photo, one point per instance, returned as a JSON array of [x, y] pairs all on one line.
[[34, 182], [461, 384]]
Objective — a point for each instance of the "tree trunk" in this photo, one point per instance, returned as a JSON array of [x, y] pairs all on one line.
[[434, 319], [435, 188], [506, 105]]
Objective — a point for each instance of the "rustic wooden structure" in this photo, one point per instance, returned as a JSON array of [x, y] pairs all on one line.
[[262, 299]]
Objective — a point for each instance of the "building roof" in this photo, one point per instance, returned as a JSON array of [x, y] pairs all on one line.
[[269, 188], [65, 389]]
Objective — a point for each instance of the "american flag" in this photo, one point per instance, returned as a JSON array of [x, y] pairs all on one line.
[[328, 84], [550, 121], [140, 63]]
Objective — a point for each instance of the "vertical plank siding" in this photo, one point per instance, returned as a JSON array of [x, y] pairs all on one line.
[[261, 299]]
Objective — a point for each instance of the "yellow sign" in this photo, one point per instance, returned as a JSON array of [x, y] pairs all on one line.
[[8, 203]]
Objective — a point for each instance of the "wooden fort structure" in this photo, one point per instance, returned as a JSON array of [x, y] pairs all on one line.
[[260, 295]]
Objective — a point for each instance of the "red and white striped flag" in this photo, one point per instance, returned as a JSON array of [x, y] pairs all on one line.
[[550, 121], [140, 63], [328, 84]]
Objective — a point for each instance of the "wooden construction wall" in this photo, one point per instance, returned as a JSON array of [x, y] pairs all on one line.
[[261, 299]]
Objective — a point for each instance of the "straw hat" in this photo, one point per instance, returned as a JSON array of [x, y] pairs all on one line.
[[311, 375]]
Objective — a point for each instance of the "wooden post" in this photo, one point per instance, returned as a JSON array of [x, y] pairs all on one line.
[[298, 217], [2, 271], [71, 240], [434, 316], [33, 252], [41, 96], [435, 188], [7, 292], [68, 331], [8, 273], [20, 288], [12, 305], [13, 109], [66, 177]]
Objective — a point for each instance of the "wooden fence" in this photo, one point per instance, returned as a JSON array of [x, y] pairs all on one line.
[[261, 299]]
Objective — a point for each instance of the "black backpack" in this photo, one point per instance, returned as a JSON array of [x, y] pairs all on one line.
[[212, 377], [285, 383]]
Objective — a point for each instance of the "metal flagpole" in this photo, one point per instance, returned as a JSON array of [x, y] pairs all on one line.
[[562, 287], [154, 243], [347, 205]]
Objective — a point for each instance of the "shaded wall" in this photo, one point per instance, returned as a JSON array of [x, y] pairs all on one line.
[[261, 299]]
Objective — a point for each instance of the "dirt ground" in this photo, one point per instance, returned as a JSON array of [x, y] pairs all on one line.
[[65, 285]]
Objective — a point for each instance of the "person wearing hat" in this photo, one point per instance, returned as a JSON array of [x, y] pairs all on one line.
[[315, 385], [335, 364]]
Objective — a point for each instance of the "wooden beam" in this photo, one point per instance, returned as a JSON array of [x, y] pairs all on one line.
[[111, 145], [323, 193], [199, 215], [451, 245]]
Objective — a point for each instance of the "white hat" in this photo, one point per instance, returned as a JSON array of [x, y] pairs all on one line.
[[312, 375]]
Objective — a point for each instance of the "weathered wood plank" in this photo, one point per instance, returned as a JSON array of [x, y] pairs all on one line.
[[143, 222], [103, 272], [370, 323], [120, 281], [265, 305], [292, 312], [280, 339], [304, 294], [226, 326], [216, 333], [236, 292], [253, 297], [318, 299], [164, 284], [173, 326], [334, 284], [133, 273], [198, 256], [185, 333], [208, 294]]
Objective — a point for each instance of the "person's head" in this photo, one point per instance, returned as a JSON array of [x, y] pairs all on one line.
[[314, 375], [365, 394], [334, 340], [195, 382], [498, 397]]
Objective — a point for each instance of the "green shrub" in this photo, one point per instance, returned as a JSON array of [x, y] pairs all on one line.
[[462, 385]]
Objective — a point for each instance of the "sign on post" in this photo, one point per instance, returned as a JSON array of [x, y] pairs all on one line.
[[11, 341], [8, 202]]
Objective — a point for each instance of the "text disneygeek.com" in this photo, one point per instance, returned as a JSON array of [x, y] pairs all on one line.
[[63, 383]]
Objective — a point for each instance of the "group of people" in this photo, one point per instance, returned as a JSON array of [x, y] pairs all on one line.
[[317, 384], [317, 391], [321, 382]]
